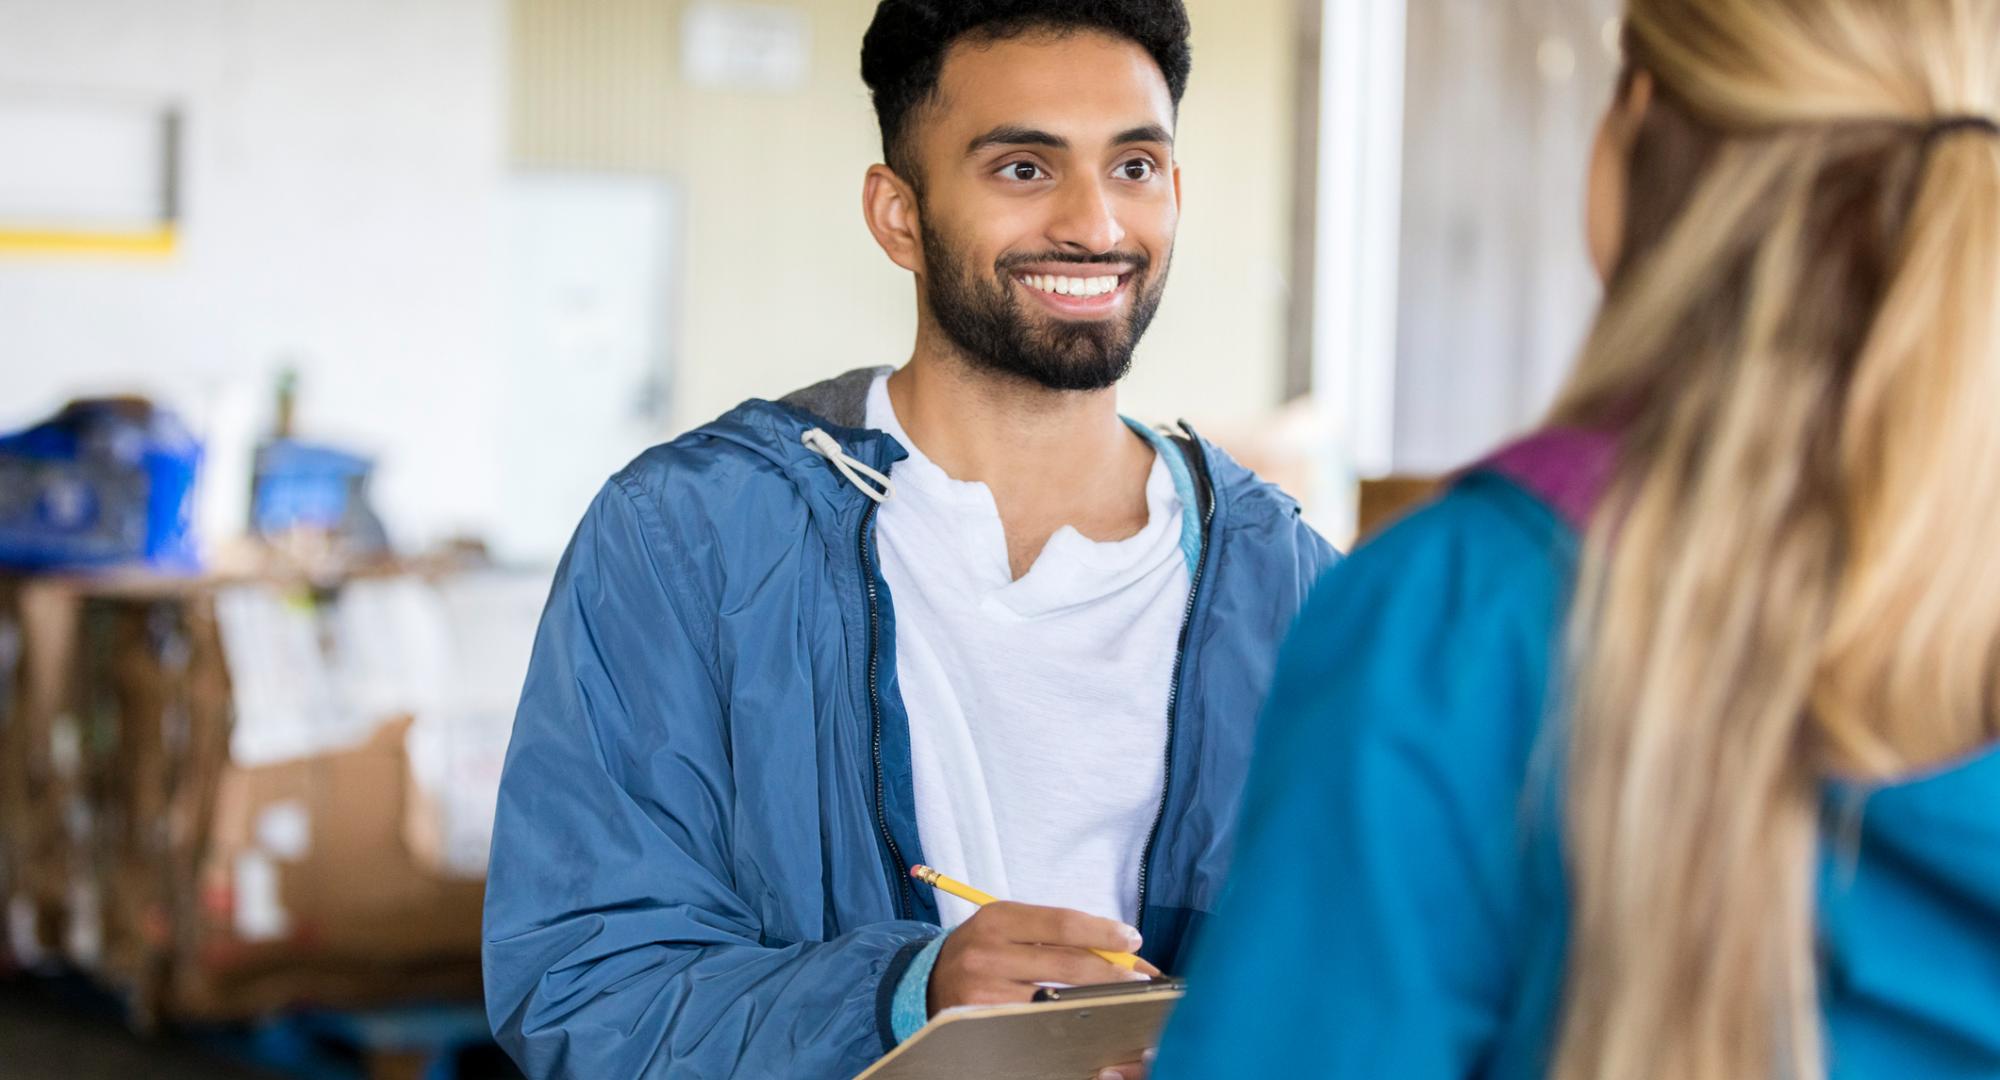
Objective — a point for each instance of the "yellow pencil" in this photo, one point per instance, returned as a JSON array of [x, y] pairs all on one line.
[[973, 896]]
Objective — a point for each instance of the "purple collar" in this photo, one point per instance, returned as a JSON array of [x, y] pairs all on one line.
[[1568, 468]]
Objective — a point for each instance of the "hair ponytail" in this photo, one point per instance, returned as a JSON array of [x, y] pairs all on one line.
[[1791, 579]]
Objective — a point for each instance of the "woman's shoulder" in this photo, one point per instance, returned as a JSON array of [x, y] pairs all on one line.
[[1440, 636], [1486, 546]]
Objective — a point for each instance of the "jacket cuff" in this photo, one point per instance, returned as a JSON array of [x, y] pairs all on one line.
[[906, 984], [910, 1008]]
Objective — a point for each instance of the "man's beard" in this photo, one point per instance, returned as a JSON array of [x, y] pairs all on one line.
[[983, 316]]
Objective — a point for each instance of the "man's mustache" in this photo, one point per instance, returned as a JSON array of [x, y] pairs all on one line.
[[1137, 261]]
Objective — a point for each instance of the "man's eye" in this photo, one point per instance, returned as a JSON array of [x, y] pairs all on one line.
[[1021, 170], [1137, 169]]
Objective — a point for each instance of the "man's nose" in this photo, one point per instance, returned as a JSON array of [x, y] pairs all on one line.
[[1086, 221]]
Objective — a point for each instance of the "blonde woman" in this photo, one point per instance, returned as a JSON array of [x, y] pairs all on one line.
[[1666, 746]]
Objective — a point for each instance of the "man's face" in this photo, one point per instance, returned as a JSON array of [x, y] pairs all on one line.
[[1049, 199]]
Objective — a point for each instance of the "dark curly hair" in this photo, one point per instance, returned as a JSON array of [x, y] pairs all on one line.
[[903, 52]]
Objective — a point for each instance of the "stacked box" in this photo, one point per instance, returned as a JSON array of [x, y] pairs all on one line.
[[149, 834]]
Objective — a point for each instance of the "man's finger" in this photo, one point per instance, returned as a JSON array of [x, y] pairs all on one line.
[[1051, 964], [1030, 924]]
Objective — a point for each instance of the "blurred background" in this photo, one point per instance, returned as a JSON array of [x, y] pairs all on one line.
[[322, 320]]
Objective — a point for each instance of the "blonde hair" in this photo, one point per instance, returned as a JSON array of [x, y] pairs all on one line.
[[1793, 577]]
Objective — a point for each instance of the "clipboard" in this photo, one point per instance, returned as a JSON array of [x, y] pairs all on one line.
[[1065, 1039]]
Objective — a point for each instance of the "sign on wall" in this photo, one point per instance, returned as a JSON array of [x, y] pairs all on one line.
[[87, 176], [754, 47]]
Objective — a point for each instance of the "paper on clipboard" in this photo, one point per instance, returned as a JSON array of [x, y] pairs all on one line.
[[1050, 1040]]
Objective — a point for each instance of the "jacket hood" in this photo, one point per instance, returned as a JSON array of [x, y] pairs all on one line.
[[775, 431], [1910, 914]]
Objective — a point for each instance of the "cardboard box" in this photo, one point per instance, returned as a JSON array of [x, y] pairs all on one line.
[[1385, 501], [133, 846], [42, 625], [308, 889]]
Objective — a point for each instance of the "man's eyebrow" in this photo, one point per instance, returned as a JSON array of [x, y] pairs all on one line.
[[1152, 133], [1016, 136]]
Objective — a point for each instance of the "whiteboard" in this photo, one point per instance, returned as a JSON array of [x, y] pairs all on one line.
[[592, 275], [85, 165]]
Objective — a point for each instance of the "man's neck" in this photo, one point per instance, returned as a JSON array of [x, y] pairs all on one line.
[[1051, 458]]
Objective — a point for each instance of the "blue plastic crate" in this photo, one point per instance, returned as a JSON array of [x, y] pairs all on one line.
[[316, 488], [104, 483], [305, 485]]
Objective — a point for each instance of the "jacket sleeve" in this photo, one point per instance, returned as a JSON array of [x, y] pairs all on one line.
[[615, 944], [1374, 916]]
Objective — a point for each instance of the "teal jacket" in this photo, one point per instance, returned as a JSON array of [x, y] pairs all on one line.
[[1397, 906]]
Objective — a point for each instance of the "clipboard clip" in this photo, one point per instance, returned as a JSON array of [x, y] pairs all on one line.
[[1106, 991]]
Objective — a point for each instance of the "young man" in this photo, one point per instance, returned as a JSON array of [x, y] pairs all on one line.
[[961, 614]]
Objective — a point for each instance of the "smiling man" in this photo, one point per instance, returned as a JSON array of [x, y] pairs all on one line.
[[960, 613]]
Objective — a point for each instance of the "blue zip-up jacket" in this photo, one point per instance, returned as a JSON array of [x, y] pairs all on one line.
[[1399, 906], [706, 818]]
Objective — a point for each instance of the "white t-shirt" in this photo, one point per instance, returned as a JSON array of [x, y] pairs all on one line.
[[1038, 707]]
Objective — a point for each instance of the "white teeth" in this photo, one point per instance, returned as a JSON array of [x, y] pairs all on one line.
[[1069, 286]]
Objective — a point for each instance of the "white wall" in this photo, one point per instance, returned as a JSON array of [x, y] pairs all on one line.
[[340, 205], [343, 207], [784, 284]]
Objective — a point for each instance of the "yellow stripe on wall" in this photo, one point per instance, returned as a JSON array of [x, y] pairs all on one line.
[[154, 243]]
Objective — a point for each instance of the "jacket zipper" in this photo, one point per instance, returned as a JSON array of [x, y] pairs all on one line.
[[1174, 687], [904, 900]]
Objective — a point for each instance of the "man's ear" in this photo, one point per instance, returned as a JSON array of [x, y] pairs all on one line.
[[1177, 186], [889, 205]]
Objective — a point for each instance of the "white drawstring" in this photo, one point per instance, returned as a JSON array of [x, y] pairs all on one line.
[[819, 442]]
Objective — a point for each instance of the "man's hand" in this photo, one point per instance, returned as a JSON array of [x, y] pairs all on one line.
[[1001, 954]]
